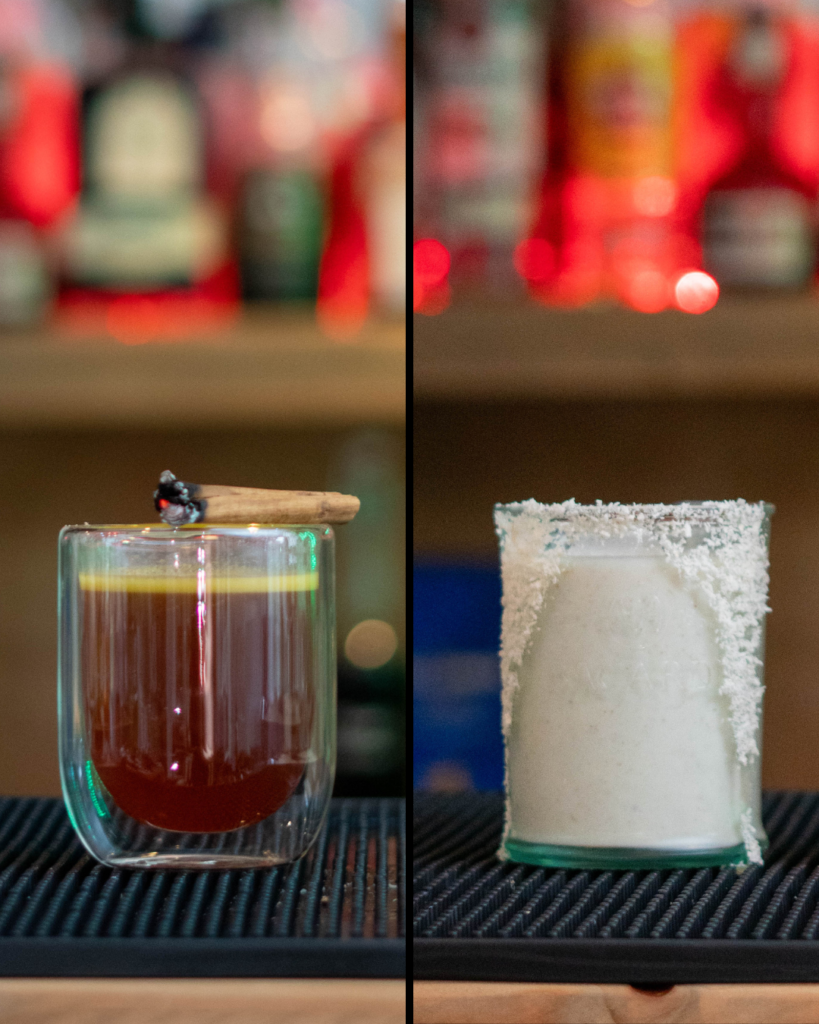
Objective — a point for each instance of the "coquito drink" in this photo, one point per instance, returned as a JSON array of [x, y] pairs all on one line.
[[631, 662]]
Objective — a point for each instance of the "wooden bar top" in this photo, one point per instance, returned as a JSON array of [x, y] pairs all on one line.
[[201, 1001], [463, 1002]]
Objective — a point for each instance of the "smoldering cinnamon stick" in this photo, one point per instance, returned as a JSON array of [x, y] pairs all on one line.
[[180, 503]]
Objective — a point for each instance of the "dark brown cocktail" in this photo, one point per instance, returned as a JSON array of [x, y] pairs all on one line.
[[198, 694]]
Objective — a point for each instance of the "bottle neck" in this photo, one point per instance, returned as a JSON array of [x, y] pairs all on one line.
[[759, 119]]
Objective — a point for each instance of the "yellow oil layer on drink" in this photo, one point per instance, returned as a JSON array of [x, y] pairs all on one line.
[[156, 582]]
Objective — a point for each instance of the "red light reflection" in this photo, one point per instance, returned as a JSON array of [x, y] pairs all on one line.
[[654, 196], [435, 300], [648, 291], [534, 259], [431, 261]]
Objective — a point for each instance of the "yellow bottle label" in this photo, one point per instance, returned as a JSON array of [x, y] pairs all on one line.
[[619, 99]]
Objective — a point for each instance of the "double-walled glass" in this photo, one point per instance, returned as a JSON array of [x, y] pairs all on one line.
[[197, 691]]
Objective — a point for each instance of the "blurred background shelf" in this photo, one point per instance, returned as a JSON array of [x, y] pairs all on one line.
[[760, 347], [182, 188], [270, 368], [513, 400]]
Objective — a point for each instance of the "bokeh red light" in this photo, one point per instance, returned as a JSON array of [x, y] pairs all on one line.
[[431, 261], [534, 259], [648, 291]]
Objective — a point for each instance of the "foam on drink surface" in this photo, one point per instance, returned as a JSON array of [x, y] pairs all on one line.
[[630, 657]]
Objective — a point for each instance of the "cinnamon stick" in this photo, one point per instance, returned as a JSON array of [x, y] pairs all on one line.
[[180, 503]]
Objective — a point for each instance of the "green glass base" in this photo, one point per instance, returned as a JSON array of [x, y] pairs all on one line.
[[603, 857]]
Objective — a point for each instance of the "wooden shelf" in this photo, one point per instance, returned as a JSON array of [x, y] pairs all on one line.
[[760, 347], [273, 367]]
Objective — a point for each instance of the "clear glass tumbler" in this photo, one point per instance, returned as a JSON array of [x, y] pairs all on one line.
[[197, 679], [632, 661]]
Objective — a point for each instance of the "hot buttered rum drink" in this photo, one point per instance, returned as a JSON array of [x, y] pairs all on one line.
[[198, 693]]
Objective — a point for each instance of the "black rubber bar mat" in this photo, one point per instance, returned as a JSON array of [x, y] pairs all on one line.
[[476, 918], [337, 912]]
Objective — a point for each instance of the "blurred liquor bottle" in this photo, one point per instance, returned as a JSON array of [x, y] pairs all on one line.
[[39, 158], [364, 262], [281, 203], [280, 229], [606, 224], [147, 254], [482, 66], [371, 615], [759, 215]]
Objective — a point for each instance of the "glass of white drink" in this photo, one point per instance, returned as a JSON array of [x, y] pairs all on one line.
[[632, 657]]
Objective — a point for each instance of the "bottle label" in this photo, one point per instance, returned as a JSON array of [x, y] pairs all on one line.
[[384, 186], [25, 286], [108, 246], [144, 221], [281, 232], [619, 105], [759, 237], [143, 141]]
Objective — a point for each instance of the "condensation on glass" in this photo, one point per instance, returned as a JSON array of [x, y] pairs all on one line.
[[197, 691], [632, 660]]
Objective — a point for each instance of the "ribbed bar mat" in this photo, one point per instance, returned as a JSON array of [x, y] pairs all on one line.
[[337, 912], [476, 918]]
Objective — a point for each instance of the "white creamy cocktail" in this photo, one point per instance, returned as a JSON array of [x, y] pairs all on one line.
[[631, 659]]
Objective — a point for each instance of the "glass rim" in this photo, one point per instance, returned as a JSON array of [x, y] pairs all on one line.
[[193, 529], [650, 511]]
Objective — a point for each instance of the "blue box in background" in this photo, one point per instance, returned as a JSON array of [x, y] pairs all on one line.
[[457, 740]]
